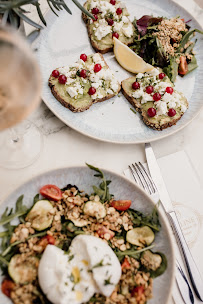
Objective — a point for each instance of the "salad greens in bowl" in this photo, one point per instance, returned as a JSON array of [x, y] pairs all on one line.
[[166, 43], [83, 227]]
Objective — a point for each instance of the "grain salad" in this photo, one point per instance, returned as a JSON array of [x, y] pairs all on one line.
[[66, 226]]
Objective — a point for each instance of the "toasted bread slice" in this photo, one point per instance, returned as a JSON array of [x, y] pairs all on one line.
[[74, 93], [100, 32], [142, 101]]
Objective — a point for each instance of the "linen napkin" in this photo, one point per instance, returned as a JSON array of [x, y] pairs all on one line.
[[186, 194]]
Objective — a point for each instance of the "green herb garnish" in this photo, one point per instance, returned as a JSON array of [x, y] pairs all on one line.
[[103, 190]]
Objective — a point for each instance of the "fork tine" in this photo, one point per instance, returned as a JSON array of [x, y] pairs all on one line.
[[142, 179], [149, 179], [133, 174]]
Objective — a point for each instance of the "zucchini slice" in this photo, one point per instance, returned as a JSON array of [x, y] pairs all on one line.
[[40, 216], [95, 209], [23, 270], [80, 223], [140, 236], [154, 262]]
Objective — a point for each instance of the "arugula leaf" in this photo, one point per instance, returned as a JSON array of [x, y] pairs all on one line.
[[103, 190], [152, 220], [8, 249], [172, 69], [186, 38], [134, 253], [9, 215]]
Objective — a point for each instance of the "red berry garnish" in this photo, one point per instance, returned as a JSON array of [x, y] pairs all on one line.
[[161, 76], [151, 112], [157, 96], [83, 73], [110, 22], [116, 35], [149, 89], [169, 90], [55, 73], [83, 57], [91, 91], [171, 112], [97, 67], [95, 10], [135, 85], [119, 11], [96, 17], [62, 79], [113, 2]]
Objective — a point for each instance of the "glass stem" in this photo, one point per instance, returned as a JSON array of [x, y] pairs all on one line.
[[14, 135]]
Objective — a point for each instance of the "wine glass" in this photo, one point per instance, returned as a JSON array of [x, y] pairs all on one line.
[[20, 89]]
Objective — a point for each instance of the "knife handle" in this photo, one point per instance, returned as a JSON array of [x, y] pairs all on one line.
[[193, 271]]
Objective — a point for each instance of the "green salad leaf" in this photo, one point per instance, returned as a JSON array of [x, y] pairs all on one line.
[[103, 190], [134, 253], [151, 220], [186, 38], [9, 215]]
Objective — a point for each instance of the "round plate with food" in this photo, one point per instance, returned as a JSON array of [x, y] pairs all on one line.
[[82, 79], [66, 241]]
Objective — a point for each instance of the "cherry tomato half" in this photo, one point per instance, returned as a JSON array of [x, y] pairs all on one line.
[[7, 286], [52, 192], [46, 240], [121, 205], [125, 264], [137, 291], [183, 66]]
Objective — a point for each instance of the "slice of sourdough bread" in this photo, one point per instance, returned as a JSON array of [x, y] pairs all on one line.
[[74, 93], [142, 101], [100, 31]]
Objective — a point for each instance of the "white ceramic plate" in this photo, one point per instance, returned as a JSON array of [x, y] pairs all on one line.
[[122, 188], [62, 42]]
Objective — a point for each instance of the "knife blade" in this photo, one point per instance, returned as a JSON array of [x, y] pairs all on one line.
[[183, 285], [156, 175]]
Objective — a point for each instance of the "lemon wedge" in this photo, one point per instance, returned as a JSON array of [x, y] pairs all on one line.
[[128, 59]]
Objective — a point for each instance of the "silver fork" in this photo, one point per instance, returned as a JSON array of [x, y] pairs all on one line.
[[143, 178]]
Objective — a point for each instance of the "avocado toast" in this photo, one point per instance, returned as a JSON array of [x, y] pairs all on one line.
[[153, 95], [87, 81], [111, 20]]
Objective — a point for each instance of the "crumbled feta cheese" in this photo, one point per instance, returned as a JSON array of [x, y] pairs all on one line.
[[96, 85], [103, 29], [161, 87], [94, 77], [161, 107], [183, 108], [128, 31], [138, 93], [154, 72], [96, 57], [114, 85], [109, 91], [125, 19], [70, 80], [139, 75], [72, 91], [146, 97], [63, 70], [103, 6], [117, 26]]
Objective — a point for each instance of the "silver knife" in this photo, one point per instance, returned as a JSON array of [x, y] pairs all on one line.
[[183, 285], [155, 172]]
